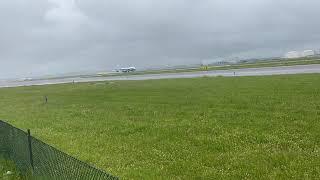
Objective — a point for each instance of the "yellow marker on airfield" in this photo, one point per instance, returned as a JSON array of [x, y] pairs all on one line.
[[205, 68]]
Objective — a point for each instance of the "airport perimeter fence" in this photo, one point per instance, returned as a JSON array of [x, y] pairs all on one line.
[[38, 160]]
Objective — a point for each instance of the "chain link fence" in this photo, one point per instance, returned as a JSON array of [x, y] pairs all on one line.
[[38, 160]]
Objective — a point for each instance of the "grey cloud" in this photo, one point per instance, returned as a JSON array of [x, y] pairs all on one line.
[[40, 37]]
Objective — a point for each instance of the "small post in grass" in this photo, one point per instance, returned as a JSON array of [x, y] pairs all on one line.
[[30, 150], [46, 99]]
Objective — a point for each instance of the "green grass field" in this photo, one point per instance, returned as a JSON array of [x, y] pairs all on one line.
[[236, 127]]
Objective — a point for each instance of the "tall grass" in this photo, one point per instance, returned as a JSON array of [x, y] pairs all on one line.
[[8, 170]]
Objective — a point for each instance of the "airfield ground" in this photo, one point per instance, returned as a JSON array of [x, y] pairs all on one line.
[[222, 127], [256, 64]]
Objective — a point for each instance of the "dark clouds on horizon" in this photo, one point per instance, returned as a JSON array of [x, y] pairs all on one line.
[[40, 37]]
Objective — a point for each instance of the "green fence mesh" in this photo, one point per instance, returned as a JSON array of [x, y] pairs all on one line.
[[42, 161]]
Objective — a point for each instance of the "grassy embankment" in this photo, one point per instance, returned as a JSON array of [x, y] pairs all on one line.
[[236, 127]]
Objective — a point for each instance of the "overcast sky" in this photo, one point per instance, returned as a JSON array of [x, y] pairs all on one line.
[[39, 37]]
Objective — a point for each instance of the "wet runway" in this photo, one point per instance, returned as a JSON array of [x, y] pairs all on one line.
[[299, 69]]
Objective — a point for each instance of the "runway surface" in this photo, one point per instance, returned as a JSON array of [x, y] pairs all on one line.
[[265, 71]]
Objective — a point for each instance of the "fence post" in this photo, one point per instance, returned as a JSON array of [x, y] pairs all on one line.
[[30, 149]]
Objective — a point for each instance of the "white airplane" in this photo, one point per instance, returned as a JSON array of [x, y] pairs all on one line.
[[128, 69], [26, 79]]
